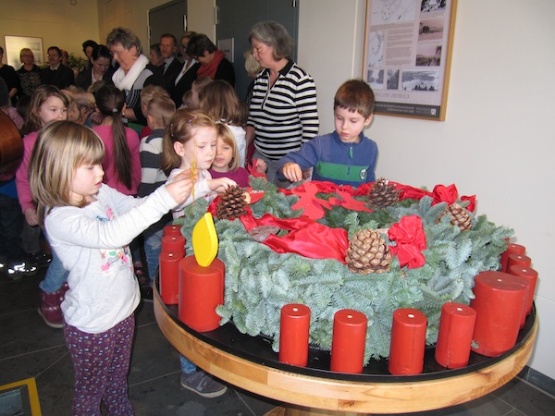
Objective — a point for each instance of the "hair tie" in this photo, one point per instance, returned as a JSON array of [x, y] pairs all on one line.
[[115, 110], [171, 130]]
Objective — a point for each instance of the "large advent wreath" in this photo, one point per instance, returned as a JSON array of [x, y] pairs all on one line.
[[304, 246]]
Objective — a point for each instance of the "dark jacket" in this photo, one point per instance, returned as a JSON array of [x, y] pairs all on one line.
[[62, 77], [84, 78], [184, 85]]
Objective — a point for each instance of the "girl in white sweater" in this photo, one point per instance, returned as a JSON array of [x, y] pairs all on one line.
[[90, 225]]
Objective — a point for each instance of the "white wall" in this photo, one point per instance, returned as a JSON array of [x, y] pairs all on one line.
[[498, 140]]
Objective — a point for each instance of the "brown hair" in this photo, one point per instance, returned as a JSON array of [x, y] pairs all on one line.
[[61, 148], [110, 102], [356, 96], [220, 102], [33, 121], [125, 37]]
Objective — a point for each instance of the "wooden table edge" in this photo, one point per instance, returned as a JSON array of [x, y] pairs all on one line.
[[339, 395]]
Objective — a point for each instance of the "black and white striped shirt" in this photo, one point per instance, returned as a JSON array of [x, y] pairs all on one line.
[[285, 115]]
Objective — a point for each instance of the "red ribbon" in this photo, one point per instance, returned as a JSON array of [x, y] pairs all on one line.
[[411, 241], [305, 236]]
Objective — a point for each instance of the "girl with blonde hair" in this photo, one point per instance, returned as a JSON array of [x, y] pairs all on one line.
[[89, 226]]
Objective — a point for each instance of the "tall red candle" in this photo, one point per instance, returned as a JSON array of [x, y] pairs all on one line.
[[294, 329], [499, 303], [173, 244], [169, 278], [531, 276], [348, 341], [172, 229], [408, 342], [201, 290], [511, 249], [456, 326], [518, 260]]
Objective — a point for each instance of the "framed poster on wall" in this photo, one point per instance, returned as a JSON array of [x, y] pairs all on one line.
[[14, 44], [407, 55]]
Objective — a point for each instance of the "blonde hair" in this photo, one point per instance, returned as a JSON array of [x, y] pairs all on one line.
[[251, 64], [26, 50], [161, 109], [150, 91], [61, 148], [228, 138], [182, 128]]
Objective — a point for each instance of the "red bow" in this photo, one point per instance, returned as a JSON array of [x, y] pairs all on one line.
[[411, 241], [449, 194]]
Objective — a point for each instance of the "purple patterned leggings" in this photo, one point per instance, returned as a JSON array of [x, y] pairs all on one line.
[[101, 364]]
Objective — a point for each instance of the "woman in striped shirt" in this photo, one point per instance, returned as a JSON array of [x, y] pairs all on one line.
[[283, 113]]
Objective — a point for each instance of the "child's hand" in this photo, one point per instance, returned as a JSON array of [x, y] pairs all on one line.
[[96, 118], [221, 184], [292, 172], [180, 188], [260, 166], [31, 217]]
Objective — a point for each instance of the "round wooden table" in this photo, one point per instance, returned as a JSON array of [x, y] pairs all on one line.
[[249, 363]]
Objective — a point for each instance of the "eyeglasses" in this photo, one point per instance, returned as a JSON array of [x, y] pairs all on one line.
[[256, 50]]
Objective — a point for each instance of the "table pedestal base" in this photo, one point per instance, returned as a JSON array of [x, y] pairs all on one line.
[[306, 411]]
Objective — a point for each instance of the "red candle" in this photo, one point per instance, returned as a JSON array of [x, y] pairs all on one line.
[[511, 249], [348, 341], [169, 278], [518, 260], [456, 326], [531, 276], [499, 303], [293, 334], [201, 290], [408, 342], [173, 244], [172, 229]]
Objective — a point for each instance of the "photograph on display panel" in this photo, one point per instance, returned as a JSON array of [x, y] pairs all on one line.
[[407, 55]]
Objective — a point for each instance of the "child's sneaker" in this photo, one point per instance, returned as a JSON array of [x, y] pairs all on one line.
[[202, 384], [15, 270]]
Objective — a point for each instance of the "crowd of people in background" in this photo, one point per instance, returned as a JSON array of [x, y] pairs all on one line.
[[160, 117]]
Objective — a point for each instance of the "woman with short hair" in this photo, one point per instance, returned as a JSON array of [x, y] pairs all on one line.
[[132, 74]]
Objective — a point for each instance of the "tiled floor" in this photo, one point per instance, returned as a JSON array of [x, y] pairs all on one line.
[[28, 348]]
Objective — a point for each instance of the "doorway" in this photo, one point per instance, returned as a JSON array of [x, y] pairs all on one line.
[[235, 18], [170, 17]]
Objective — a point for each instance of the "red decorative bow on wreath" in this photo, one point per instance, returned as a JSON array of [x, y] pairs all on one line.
[[411, 241]]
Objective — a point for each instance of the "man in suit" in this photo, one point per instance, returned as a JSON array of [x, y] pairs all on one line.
[[56, 73], [171, 67], [187, 74]]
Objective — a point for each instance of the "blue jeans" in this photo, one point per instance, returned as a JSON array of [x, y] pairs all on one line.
[[153, 246], [55, 276], [152, 237], [187, 367]]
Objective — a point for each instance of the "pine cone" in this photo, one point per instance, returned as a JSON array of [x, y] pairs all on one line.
[[382, 194], [231, 204], [460, 216], [368, 253]]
